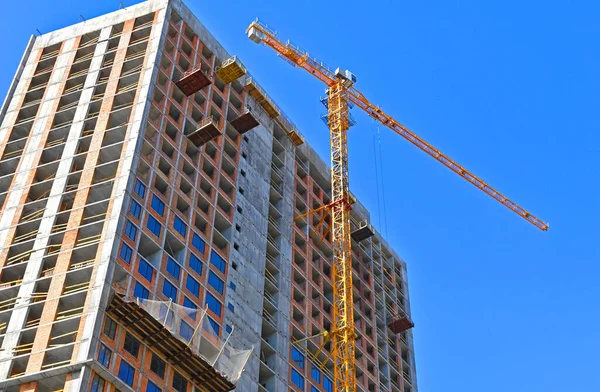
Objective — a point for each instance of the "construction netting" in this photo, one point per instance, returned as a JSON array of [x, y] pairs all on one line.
[[194, 328]]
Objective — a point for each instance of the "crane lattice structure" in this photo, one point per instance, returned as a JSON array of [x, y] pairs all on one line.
[[341, 94]]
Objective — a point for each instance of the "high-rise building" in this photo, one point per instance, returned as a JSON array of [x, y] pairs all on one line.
[[149, 229]]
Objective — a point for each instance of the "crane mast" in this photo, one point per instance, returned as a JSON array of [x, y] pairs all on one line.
[[341, 94], [343, 333]]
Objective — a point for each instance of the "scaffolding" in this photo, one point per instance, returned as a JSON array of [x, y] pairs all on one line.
[[186, 338]]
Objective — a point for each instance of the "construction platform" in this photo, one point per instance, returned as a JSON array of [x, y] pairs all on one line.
[[207, 131], [261, 97], [400, 324], [245, 122], [230, 70], [193, 81], [154, 334]]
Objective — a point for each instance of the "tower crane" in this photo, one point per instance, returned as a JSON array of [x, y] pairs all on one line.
[[341, 94]]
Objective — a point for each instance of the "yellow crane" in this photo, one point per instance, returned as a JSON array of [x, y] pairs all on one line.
[[341, 93]]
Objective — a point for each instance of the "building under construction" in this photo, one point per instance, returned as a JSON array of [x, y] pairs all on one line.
[[153, 228]]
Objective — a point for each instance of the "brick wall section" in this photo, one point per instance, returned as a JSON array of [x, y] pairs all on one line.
[[120, 171]]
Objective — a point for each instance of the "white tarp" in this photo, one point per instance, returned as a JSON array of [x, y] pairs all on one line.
[[193, 328]]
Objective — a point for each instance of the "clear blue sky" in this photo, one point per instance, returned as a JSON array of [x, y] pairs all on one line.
[[510, 90]]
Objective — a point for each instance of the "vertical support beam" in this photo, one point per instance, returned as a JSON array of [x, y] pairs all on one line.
[[343, 303]]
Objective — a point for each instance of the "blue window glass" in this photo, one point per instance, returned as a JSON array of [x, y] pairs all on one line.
[[169, 290], [157, 205], [126, 253], [198, 243], [179, 226], [146, 270], [104, 355], [154, 225], [140, 188], [213, 304], [297, 379], [151, 387], [232, 286], [135, 209], [316, 373], [195, 264], [228, 328], [192, 285], [327, 384], [189, 304], [297, 357], [173, 268], [215, 326], [217, 261], [185, 331], [231, 307], [314, 389], [140, 291], [130, 230], [126, 373], [98, 384], [215, 282]]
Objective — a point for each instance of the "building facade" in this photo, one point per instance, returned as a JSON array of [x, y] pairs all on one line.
[[131, 170]]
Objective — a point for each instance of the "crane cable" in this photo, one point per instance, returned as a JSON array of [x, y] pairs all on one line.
[[378, 174]]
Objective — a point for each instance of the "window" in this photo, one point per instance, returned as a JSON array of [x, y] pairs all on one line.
[[314, 389], [213, 304], [131, 345], [215, 282], [195, 264], [193, 286], [297, 379], [179, 226], [297, 357], [179, 383], [327, 384], [157, 205], [126, 373], [169, 290], [232, 286], [157, 365], [185, 331], [140, 188], [110, 328], [198, 243], [215, 326], [104, 356], [153, 225], [228, 328], [217, 261], [97, 384], [146, 270], [173, 268], [130, 230], [151, 387], [126, 253], [135, 209], [231, 307], [189, 304], [316, 373], [140, 291]]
